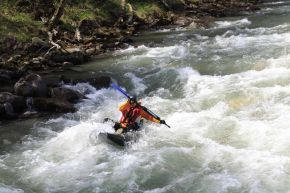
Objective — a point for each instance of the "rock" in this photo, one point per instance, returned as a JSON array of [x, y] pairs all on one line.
[[37, 60], [67, 65], [67, 94], [193, 25], [100, 82], [125, 40], [9, 110], [38, 41], [91, 51], [2, 111], [183, 21], [14, 58], [31, 85], [4, 79], [13, 75], [72, 50], [76, 57], [53, 105], [18, 103]]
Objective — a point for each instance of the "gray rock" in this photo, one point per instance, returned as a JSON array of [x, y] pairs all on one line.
[[31, 85], [76, 58], [52, 105], [66, 94], [100, 82], [18, 103]]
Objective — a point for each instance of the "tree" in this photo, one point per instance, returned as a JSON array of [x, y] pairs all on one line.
[[57, 15]]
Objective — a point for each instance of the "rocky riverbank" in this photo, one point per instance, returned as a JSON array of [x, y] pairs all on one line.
[[24, 87]]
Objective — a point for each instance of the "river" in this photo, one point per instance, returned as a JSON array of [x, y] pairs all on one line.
[[224, 90]]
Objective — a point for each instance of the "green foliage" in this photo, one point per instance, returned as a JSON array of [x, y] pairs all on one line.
[[143, 9], [74, 14], [17, 24]]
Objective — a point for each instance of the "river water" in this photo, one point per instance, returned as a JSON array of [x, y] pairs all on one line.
[[225, 92]]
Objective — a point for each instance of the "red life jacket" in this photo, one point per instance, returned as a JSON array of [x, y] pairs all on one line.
[[130, 115]]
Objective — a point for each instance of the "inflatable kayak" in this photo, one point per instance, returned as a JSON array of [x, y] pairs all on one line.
[[121, 139]]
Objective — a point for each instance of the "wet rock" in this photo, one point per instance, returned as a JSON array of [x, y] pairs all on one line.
[[2, 111], [7, 111], [76, 58], [183, 21], [100, 82], [97, 82], [67, 65], [13, 75], [18, 103], [4, 79], [67, 94], [91, 51], [31, 85], [125, 40], [52, 105], [193, 25]]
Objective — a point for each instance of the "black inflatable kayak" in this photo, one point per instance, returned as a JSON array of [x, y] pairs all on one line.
[[121, 139]]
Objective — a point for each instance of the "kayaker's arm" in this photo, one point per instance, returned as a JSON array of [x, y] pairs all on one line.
[[149, 117], [124, 106]]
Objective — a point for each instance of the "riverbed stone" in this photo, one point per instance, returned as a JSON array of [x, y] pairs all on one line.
[[67, 94], [52, 105], [75, 58], [31, 85], [100, 82], [18, 103]]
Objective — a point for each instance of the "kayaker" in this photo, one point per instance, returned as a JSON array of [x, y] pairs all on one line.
[[132, 114]]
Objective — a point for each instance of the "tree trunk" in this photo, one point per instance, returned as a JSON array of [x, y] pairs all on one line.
[[57, 15]]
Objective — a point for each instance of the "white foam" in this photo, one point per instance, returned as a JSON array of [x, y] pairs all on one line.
[[237, 23]]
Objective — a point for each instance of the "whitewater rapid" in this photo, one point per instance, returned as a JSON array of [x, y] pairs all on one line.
[[225, 92]]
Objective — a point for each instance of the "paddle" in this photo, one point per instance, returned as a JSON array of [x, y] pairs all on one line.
[[144, 108]]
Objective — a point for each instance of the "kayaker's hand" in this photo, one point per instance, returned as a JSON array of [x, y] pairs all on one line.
[[162, 122]]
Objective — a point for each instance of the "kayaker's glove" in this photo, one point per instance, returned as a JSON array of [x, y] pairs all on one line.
[[162, 122]]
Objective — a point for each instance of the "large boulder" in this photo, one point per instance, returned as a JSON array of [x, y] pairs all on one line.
[[66, 94], [31, 85], [52, 105], [18, 103]]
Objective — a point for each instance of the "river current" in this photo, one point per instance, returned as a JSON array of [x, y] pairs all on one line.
[[224, 90]]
